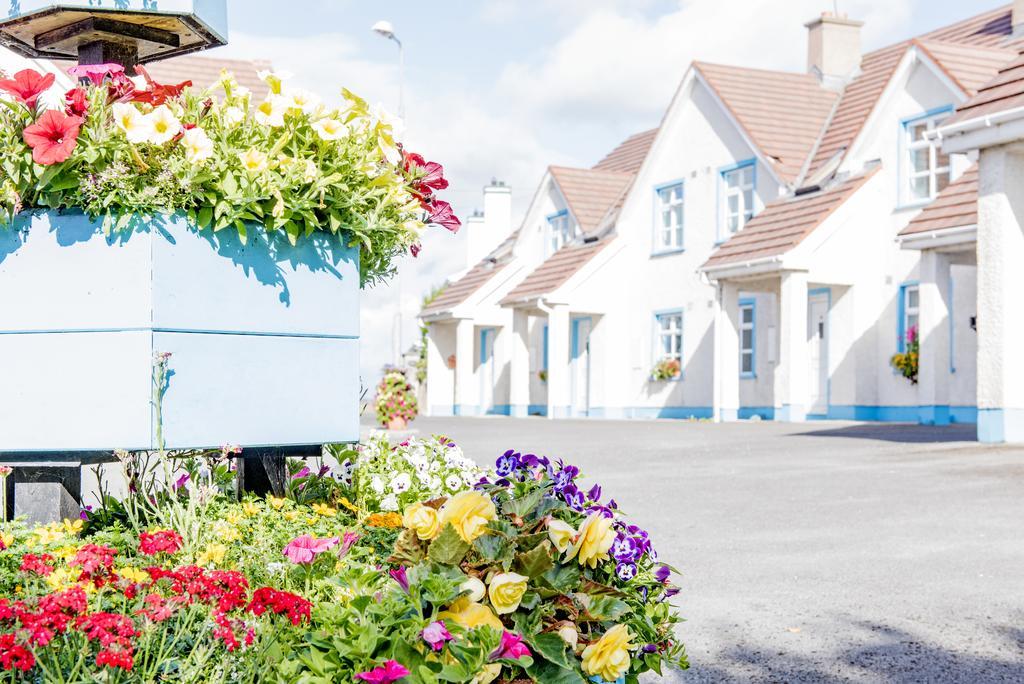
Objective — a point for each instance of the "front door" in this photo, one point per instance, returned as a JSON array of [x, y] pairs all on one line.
[[486, 370], [580, 366], [817, 351]]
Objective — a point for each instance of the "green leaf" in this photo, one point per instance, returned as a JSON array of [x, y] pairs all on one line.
[[523, 505], [229, 184], [448, 548], [605, 608], [552, 647], [243, 234], [204, 217], [549, 673], [492, 547], [563, 578], [536, 562], [408, 550]]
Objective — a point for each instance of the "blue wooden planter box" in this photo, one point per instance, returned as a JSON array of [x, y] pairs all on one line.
[[264, 337]]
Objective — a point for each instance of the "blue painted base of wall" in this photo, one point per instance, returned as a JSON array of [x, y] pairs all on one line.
[[650, 412], [925, 415], [996, 426]]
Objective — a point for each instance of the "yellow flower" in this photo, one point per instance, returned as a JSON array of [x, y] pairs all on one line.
[[608, 657], [275, 502], [271, 112], [212, 555], [471, 615], [422, 520], [488, 674], [324, 510], [47, 535], [311, 520], [506, 591], [468, 512], [254, 161], [291, 515], [595, 538], [164, 125], [226, 531], [7, 538], [475, 587], [72, 526], [330, 129], [273, 80], [233, 517], [65, 552], [61, 579], [348, 504], [561, 534], [133, 575], [251, 508], [388, 520]]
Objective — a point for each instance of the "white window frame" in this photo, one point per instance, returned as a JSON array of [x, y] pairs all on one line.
[[674, 333], [669, 238], [744, 211], [930, 120], [745, 352], [909, 312]]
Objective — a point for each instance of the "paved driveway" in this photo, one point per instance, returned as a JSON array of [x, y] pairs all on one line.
[[824, 552]]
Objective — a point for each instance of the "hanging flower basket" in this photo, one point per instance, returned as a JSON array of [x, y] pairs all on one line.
[[666, 369], [906, 362]]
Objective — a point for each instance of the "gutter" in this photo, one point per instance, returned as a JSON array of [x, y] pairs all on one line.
[[945, 237], [977, 123], [744, 268]]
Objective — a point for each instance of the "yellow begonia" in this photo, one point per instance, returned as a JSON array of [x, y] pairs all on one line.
[[506, 591], [608, 657], [423, 520], [595, 539], [561, 534], [471, 615], [468, 512]]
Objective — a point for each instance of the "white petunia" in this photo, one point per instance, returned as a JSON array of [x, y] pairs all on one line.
[[165, 125], [234, 116], [275, 80], [136, 126], [271, 112], [377, 484], [198, 146], [303, 101]]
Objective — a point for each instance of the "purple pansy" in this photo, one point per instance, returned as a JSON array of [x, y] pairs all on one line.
[[595, 493], [662, 574], [626, 571], [507, 463], [574, 497], [625, 549]]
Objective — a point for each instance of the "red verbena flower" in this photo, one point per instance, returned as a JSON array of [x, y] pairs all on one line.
[[27, 85], [280, 602], [14, 656], [76, 102], [53, 137], [38, 565], [441, 214], [161, 541]]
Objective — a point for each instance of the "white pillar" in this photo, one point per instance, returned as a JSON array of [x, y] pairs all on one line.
[[440, 387], [465, 387], [519, 364], [933, 333], [726, 382], [558, 362], [791, 379], [1000, 284]]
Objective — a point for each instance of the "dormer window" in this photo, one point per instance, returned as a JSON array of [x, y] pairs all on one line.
[[560, 231], [927, 167], [737, 196], [668, 231]]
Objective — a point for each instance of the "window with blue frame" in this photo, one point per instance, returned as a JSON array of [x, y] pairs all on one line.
[[747, 337], [669, 228], [545, 351], [560, 231], [737, 194], [670, 336], [909, 312], [926, 165]]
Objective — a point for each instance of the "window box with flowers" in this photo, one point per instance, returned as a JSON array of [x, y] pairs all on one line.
[[145, 219], [666, 369], [906, 361]]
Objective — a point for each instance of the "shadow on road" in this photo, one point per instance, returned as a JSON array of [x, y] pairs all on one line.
[[904, 433]]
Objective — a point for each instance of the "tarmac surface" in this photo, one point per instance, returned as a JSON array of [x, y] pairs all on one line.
[[817, 552]]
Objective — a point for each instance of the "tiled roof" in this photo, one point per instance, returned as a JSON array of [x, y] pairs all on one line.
[[970, 67], [205, 71], [782, 113], [985, 30], [554, 272], [784, 223], [629, 155], [458, 292], [590, 193], [1005, 91], [955, 207]]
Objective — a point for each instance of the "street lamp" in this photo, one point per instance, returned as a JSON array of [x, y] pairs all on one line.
[[385, 29]]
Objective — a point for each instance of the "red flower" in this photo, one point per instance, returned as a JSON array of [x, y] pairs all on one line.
[[76, 102], [415, 249], [53, 137], [161, 541], [39, 565], [27, 85], [14, 656], [441, 214], [428, 175], [157, 93], [269, 599]]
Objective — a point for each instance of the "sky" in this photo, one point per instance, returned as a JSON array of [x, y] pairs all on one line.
[[504, 88]]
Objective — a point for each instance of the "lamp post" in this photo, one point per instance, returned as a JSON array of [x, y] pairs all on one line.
[[386, 30]]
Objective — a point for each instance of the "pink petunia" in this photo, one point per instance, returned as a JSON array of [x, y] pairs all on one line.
[[304, 550], [389, 672], [510, 648], [96, 73], [441, 214], [436, 634]]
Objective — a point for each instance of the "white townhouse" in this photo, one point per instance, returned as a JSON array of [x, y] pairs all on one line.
[[778, 235]]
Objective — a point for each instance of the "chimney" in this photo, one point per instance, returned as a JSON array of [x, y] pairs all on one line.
[[1017, 18], [487, 232], [833, 48]]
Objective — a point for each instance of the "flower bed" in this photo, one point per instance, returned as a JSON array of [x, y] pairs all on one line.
[[523, 575]]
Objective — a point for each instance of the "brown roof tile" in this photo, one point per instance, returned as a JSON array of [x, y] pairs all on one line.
[[590, 193], [554, 272], [955, 207], [205, 71], [969, 66], [462, 289], [783, 224], [629, 155], [1004, 91], [782, 113]]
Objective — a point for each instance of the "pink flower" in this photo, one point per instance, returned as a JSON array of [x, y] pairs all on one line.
[[389, 672], [398, 574], [27, 85], [441, 214], [436, 634], [912, 334], [303, 550], [347, 540], [511, 647], [96, 73], [53, 137]]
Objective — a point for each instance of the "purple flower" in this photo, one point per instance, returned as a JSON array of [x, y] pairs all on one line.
[[324, 469], [574, 497], [436, 634], [389, 672], [625, 549], [625, 571], [650, 648], [181, 481], [398, 574], [510, 648], [507, 463], [565, 476], [671, 591], [302, 473], [662, 574], [595, 493], [84, 515], [347, 540]]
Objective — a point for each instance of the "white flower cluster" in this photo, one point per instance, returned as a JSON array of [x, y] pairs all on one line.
[[390, 477]]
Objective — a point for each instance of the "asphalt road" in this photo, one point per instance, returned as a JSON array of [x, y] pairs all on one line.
[[823, 552]]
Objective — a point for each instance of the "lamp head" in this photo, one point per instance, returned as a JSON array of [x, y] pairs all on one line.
[[384, 28]]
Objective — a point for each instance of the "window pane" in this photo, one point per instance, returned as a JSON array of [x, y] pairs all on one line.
[[748, 203], [919, 187], [679, 237], [731, 179], [677, 212], [941, 180], [747, 175], [912, 298], [677, 192], [911, 321], [917, 130], [941, 159], [733, 223], [748, 314], [747, 339], [734, 204], [919, 159], [747, 363]]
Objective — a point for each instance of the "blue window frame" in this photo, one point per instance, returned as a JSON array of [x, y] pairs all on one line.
[[668, 335], [560, 231], [669, 203], [748, 338], [486, 344], [545, 343], [909, 309], [737, 196], [924, 166]]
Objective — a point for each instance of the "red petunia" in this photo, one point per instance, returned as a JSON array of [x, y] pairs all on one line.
[[53, 137], [76, 102], [27, 85], [441, 214], [156, 93]]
